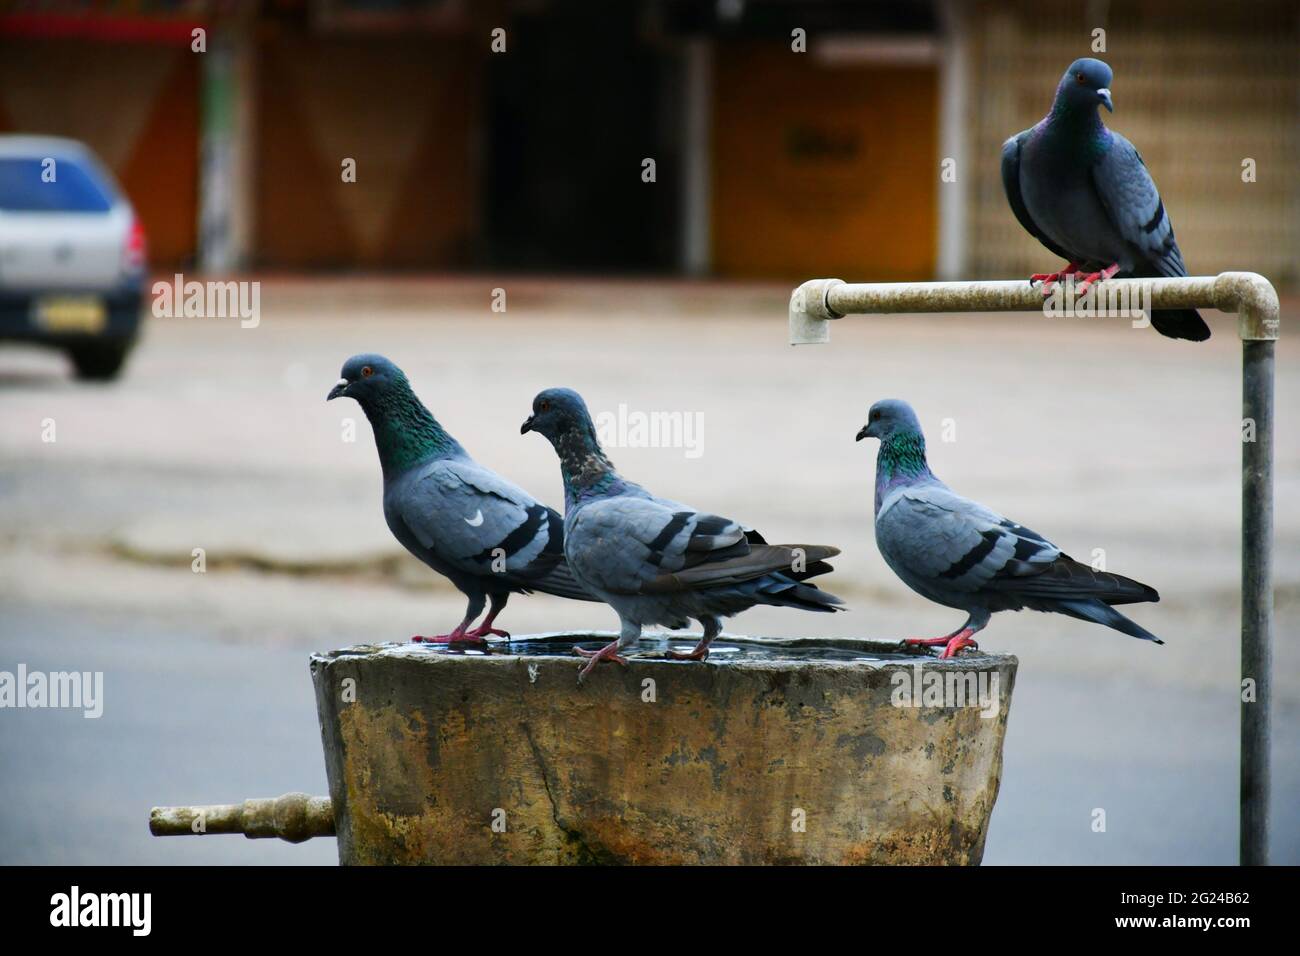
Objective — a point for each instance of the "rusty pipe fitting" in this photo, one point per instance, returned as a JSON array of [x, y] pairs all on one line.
[[293, 817]]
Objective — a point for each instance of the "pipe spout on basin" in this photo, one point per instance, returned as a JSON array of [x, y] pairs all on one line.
[[293, 817]]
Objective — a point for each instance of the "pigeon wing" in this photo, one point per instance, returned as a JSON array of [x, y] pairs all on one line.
[[957, 544], [1133, 204], [631, 545], [649, 546], [471, 517], [1011, 183]]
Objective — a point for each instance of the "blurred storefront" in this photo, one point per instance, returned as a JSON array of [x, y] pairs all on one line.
[[734, 138], [131, 91]]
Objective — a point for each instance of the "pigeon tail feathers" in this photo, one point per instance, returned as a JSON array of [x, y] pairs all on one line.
[[1180, 324], [560, 582], [1098, 612]]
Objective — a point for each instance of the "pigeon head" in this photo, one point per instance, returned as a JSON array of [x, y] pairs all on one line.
[[558, 412], [1085, 85], [366, 378], [901, 458], [889, 418], [561, 416], [406, 433]]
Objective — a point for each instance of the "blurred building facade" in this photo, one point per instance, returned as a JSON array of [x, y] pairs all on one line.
[[788, 137]]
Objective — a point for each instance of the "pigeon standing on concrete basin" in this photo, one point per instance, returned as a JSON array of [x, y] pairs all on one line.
[[489, 537], [656, 561], [1083, 192], [962, 555]]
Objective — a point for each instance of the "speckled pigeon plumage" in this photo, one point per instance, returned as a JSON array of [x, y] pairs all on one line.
[[1083, 191], [962, 555], [489, 537], [656, 561]]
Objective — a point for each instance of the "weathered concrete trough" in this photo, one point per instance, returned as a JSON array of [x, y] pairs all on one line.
[[799, 751]]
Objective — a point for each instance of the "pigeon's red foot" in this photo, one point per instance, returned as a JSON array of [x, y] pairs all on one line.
[[928, 641], [701, 653], [951, 643], [1049, 279], [1093, 278], [607, 653], [959, 640], [481, 632], [458, 636]]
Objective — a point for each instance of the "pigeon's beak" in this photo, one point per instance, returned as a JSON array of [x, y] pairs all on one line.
[[863, 433], [340, 388], [1104, 94], [527, 426]]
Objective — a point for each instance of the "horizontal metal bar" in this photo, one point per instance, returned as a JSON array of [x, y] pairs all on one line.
[[817, 302], [293, 817]]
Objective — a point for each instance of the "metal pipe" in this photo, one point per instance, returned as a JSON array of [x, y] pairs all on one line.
[[293, 817], [818, 302], [1256, 596]]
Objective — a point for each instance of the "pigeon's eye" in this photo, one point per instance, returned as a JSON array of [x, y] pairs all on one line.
[[1079, 78], [543, 406], [875, 416], [367, 371]]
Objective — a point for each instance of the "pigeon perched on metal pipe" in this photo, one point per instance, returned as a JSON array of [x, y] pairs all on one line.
[[1083, 191], [656, 561], [489, 537], [962, 555]]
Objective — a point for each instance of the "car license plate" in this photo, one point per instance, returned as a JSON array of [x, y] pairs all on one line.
[[71, 313]]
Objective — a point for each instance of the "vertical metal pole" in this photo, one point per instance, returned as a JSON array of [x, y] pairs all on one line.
[[1256, 597]]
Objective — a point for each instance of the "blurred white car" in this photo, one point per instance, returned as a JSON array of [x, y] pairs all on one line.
[[72, 254]]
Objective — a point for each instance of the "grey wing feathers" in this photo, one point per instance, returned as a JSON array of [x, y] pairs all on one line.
[[622, 543], [956, 543], [754, 562], [1131, 200], [558, 580], [1133, 203], [471, 517], [643, 546], [1066, 579], [1011, 183]]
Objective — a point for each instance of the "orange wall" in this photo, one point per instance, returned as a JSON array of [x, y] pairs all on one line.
[[821, 170], [135, 105]]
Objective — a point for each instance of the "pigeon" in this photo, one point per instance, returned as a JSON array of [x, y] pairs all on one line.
[[962, 555], [1083, 191], [656, 561], [489, 537]]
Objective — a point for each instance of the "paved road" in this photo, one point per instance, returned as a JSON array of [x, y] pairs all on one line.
[[188, 718], [1102, 437]]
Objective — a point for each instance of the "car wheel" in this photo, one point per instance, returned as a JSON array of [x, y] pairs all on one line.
[[101, 361]]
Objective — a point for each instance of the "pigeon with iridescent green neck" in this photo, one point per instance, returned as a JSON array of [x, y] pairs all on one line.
[[490, 538], [962, 555], [1083, 191], [656, 561]]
